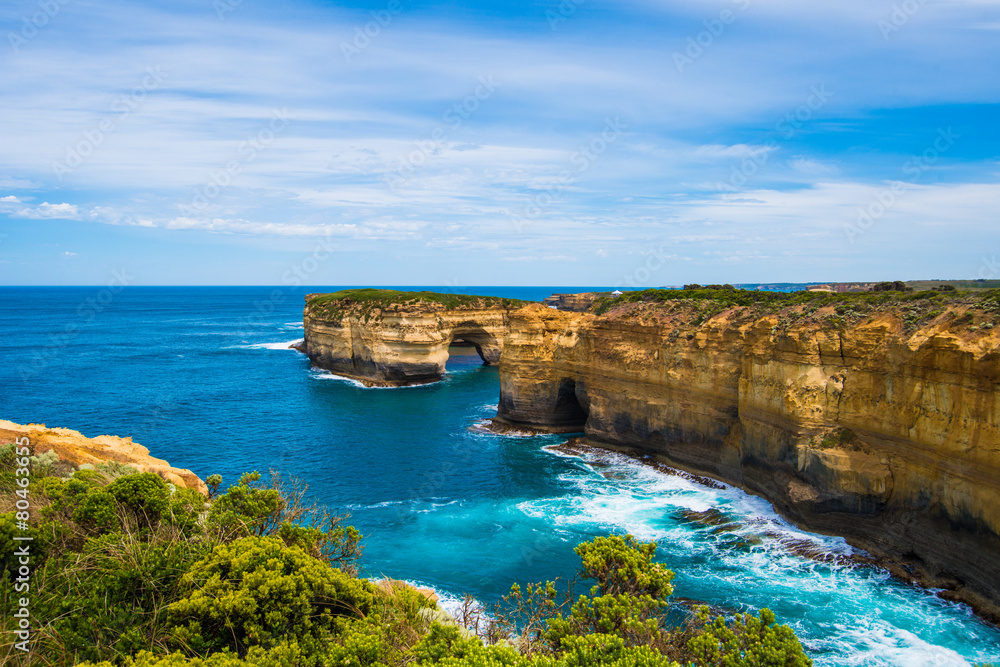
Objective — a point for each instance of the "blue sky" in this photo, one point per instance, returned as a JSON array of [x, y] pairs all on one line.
[[634, 143]]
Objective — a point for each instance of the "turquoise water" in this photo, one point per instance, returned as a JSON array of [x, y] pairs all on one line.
[[203, 378]]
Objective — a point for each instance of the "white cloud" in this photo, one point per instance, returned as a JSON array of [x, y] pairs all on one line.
[[825, 211], [352, 124], [46, 210], [18, 183], [539, 258], [238, 226], [810, 167]]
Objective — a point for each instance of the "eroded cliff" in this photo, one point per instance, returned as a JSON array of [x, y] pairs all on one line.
[[575, 303], [877, 419], [389, 338], [74, 448]]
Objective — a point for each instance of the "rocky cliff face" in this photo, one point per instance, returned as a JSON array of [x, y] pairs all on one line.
[[882, 425], [75, 448], [574, 303], [399, 339]]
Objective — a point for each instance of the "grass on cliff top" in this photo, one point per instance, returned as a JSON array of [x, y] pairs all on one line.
[[370, 298], [729, 297]]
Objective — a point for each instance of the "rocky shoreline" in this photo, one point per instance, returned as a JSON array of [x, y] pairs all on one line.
[[901, 570], [74, 450], [880, 425], [873, 417]]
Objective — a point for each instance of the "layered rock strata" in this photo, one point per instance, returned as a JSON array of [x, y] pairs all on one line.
[[882, 426], [76, 449], [574, 303], [386, 338]]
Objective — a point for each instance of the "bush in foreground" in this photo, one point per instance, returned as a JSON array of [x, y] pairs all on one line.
[[131, 571]]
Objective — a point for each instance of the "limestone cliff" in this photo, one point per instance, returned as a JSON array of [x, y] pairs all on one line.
[[75, 448], [389, 338], [574, 303], [878, 421]]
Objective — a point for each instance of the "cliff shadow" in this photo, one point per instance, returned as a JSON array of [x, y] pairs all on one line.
[[486, 344], [569, 409]]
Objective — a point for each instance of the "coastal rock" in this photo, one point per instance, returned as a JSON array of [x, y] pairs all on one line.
[[77, 449], [387, 338], [574, 303], [879, 427]]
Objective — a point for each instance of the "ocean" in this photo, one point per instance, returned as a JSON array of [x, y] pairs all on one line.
[[204, 379]]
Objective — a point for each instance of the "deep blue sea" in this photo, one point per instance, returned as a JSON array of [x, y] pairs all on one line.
[[203, 377]]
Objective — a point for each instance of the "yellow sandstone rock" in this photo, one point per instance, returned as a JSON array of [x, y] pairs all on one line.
[[384, 343], [74, 447], [884, 432]]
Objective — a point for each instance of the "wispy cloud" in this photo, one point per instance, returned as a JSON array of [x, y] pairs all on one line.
[[404, 102], [46, 210]]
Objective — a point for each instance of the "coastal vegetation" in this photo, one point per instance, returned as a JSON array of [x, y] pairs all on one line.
[[128, 569], [726, 296], [367, 301]]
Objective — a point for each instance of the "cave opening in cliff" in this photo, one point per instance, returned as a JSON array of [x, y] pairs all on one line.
[[569, 410], [463, 343], [485, 344]]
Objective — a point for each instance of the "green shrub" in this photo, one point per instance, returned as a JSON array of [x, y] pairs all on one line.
[[251, 508], [749, 641], [44, 464], [108, 599], [622, 564], [760, 301], [622, 621], [143, 498], [247, 508], [213, 482], [129, 569], [257, 591], [446, 645], [91, 478], [185, 508], [96, 511], [610, 650], [114, 469], [178, 659]]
